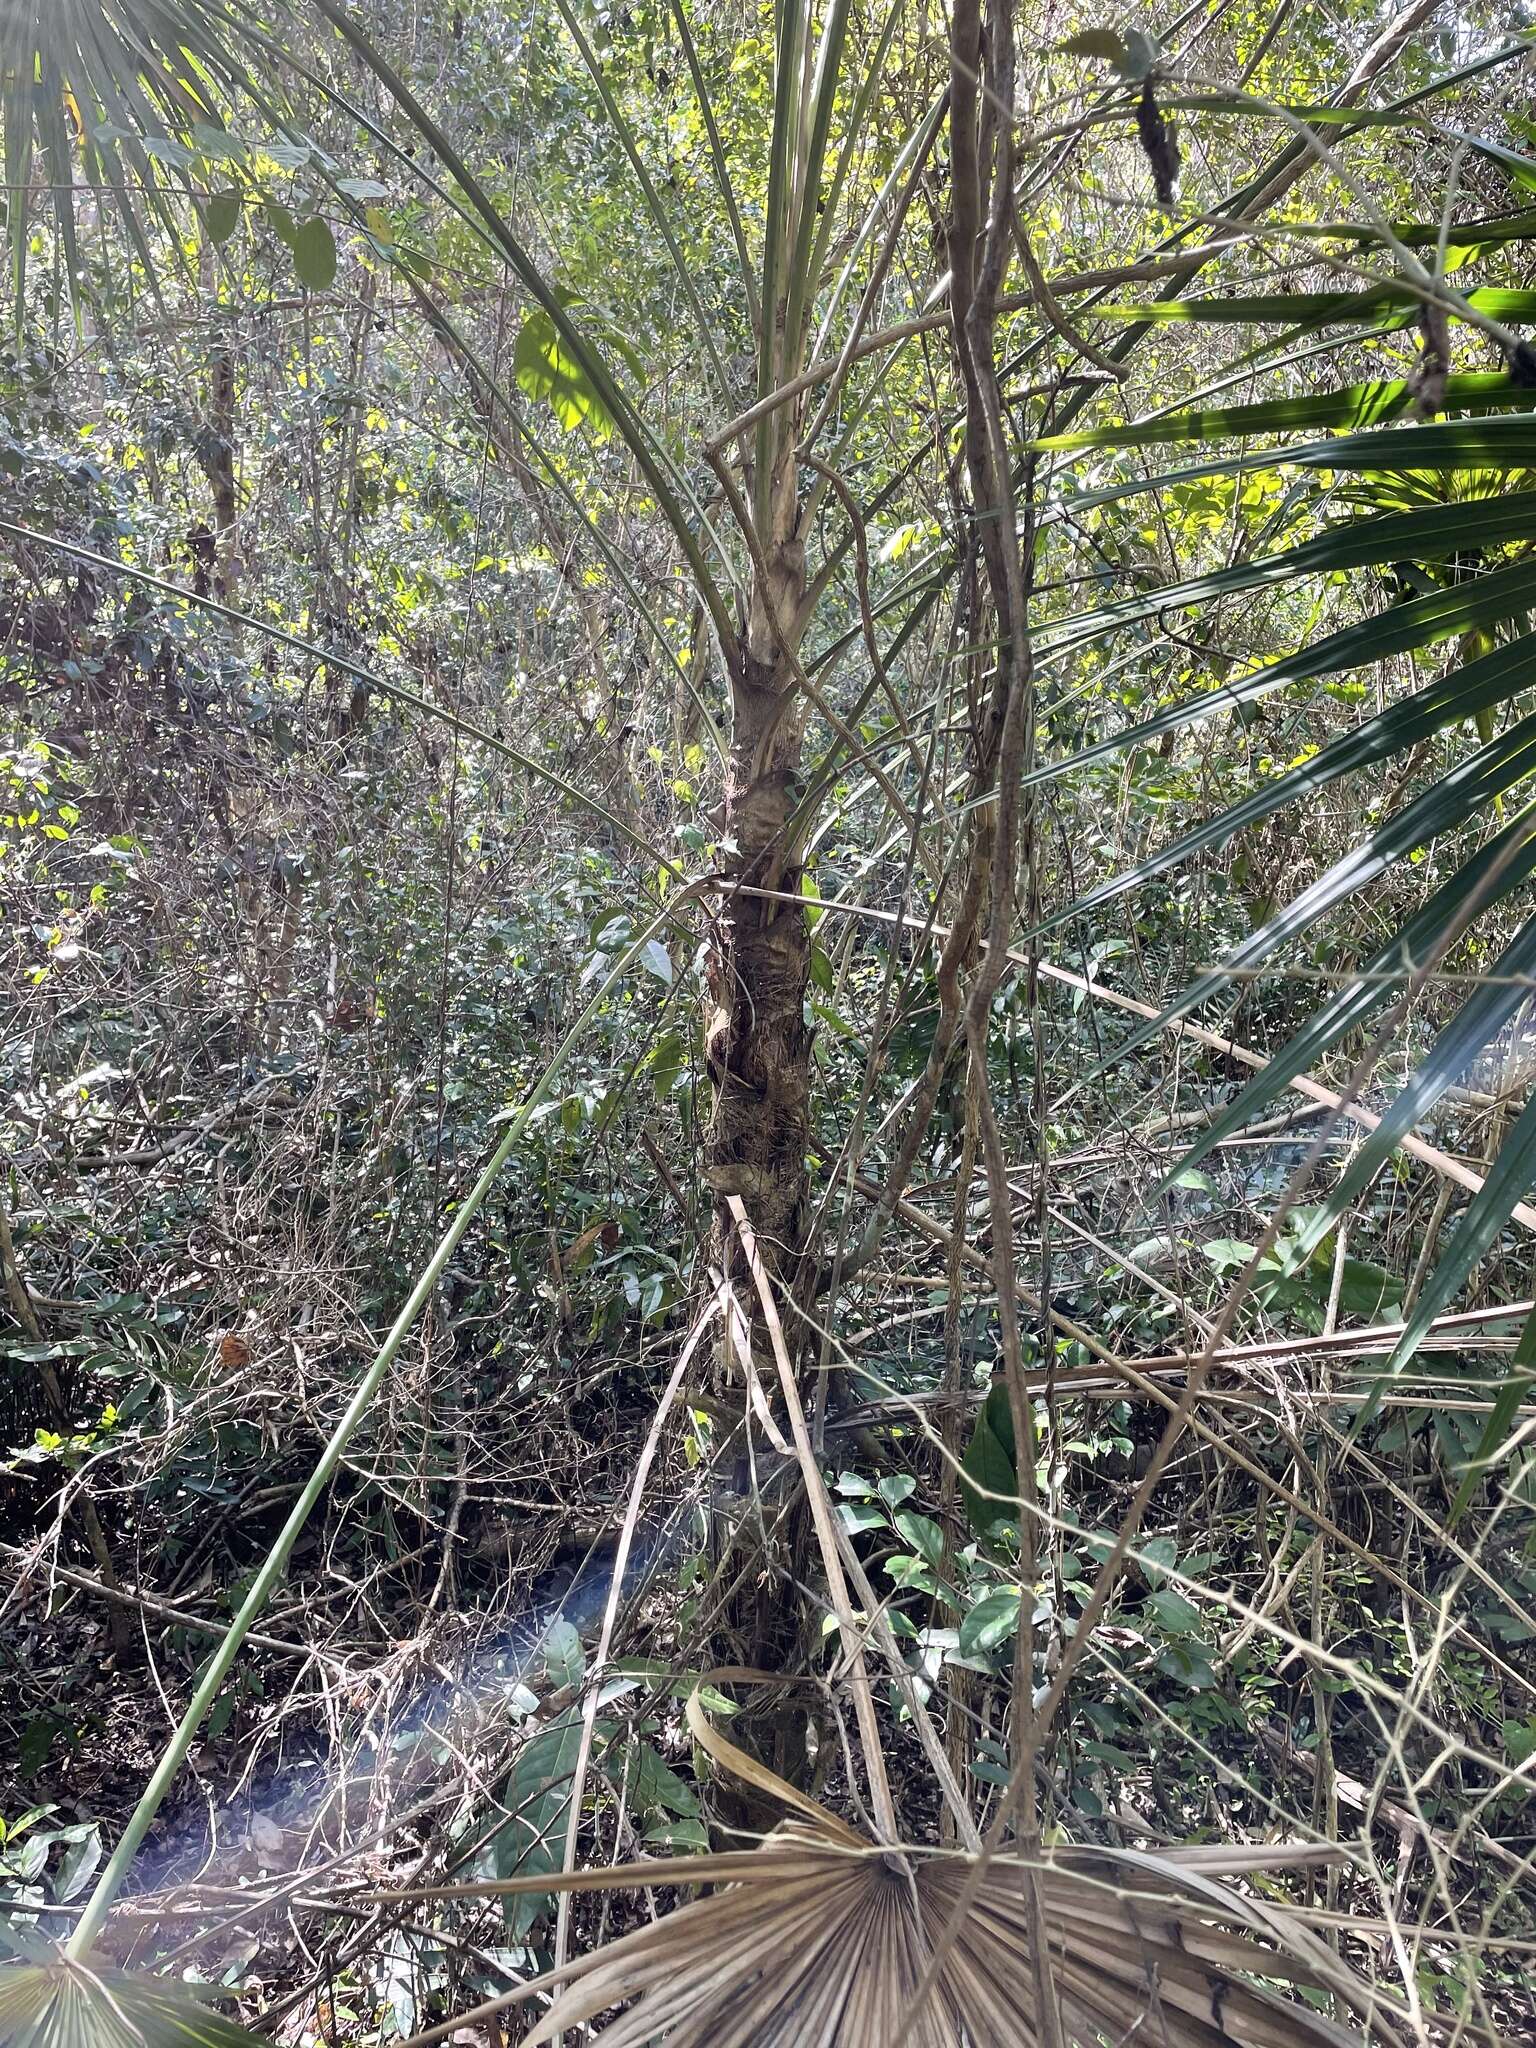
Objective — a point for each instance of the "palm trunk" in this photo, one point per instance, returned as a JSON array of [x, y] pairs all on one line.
[[758, 1048], [757, 1041]]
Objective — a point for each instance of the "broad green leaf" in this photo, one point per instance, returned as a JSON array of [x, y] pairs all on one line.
[[1171, 1611], [314, 254], [651, 1784], [689, 1837], [924, 1536], [1143, 54], [221, 215], [548, 372], [78, 1865], [538, 1798], [856, 1517], [993, 1619], [564, 1659], [658, 960], [987, 1467]]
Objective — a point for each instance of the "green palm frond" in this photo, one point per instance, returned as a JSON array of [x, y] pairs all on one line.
[[66, 2004], [110, 96]]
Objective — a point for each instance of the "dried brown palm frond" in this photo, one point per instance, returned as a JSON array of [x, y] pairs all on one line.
[[821, 1939], [827, 1948]]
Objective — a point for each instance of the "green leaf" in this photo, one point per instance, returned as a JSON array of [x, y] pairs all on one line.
[[987, 1471], [652, 1785], [314, 254], [925, 1536], [547, 371], [66, 2005], [538, 1797], [77, 1866], [988, 1465], [280, 221], [292, 156], [1355, 406], [665, 1061], [564, 1659], [1099, 45], [221, 215], [657, 960], [691, 1837], [1172, 1612], [993, 1619], [1143, 54]]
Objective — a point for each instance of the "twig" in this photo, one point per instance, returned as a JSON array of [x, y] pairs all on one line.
[[821, 1515], [163, 1610]]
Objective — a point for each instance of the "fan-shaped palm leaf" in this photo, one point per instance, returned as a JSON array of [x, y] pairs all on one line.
[[122, 88], [830, 1946], [822, 1939], [66, 2004]]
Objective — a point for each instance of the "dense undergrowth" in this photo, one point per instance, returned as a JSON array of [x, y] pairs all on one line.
[[362, 726]]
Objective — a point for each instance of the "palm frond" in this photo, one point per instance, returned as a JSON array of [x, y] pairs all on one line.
[[828, 1946], [64, 2004], [119, 89], [822, 1939]]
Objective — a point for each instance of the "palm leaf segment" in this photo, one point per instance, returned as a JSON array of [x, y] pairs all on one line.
[[821, 1940], [114, 86], [1462, 479]]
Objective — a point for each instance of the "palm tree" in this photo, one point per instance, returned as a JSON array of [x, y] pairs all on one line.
[[122, 94]]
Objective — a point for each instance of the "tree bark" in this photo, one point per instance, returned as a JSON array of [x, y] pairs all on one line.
[[758, 1049], [757, 1042]]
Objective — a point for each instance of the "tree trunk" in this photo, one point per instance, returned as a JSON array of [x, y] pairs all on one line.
[[758, 1048], [757, 1042]]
